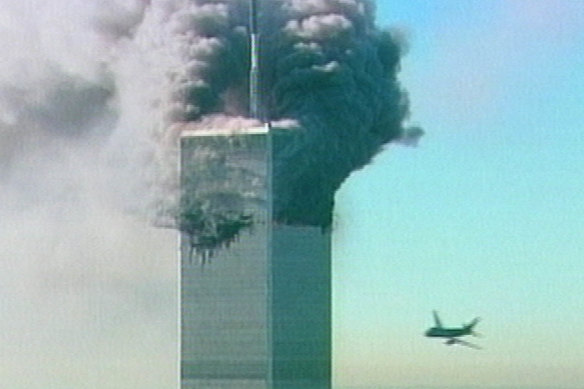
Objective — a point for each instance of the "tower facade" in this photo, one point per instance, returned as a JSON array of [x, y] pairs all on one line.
[[255, 304]]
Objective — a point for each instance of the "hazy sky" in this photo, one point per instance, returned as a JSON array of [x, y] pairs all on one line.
[[482, 219], [485, 217]]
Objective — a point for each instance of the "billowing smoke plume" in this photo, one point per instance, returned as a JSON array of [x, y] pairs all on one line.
[[325, 66], [121, 80], [334, 72]]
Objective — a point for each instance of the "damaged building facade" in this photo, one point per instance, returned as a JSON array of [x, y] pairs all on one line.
[[256, 304]]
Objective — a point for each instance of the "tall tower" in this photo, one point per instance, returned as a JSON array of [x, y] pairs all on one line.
[[255, 313]]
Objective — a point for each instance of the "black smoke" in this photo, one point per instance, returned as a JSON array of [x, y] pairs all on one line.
[[324, 64], [335, 73]]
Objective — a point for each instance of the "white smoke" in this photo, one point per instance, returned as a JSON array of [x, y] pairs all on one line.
[[88, 291]]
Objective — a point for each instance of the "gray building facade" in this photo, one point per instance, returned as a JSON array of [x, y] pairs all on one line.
[[255, 312]]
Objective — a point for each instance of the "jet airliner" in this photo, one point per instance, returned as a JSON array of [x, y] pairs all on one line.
[[452, 335]]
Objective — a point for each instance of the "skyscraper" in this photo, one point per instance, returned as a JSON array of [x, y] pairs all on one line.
[[255, 294]]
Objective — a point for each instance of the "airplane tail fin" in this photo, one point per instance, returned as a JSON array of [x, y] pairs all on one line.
[[437, 321]]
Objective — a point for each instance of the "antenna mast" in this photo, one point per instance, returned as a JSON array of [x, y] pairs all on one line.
[[254, 97]]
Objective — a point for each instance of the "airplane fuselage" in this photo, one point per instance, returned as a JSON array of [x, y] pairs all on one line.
[[436, 332]]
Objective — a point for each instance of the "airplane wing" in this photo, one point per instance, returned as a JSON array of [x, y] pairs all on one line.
[[437, 319], [467, 344]]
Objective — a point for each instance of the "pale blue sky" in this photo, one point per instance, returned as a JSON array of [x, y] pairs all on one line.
[[483, 218]]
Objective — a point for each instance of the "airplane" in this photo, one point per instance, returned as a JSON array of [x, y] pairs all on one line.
[[452, 334]]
